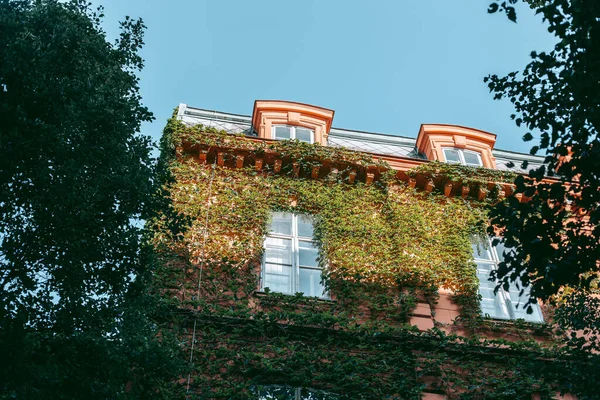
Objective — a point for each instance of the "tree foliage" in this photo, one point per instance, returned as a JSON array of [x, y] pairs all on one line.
[[506, 7], [75, 176], [554, 238]]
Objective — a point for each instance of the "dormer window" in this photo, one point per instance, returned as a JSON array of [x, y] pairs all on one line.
[[281, 120], [464, 157], [285, 132], [457, 144]]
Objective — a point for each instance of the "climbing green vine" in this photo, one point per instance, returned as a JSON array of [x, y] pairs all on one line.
[[464, 174], [383, 247]]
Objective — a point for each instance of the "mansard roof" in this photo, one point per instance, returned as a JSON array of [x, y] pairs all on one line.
[[371, 142]]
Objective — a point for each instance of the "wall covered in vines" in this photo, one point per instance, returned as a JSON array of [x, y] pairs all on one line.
[[384, 247]]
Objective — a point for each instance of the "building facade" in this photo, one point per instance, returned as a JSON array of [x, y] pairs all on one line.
[[304, 261]]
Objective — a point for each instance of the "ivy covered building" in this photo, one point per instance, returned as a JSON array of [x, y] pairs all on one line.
[[301, 261]]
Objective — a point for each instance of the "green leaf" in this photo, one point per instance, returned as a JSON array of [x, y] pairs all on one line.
[[527, 137], [493, 8]]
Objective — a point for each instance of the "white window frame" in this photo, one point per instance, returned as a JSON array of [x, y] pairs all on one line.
[[295, 239], [292, 132], [297, 392], [502, 296], [461, 156]]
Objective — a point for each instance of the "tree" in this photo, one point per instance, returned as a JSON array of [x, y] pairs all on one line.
[[555, 235], [553, 239], [76, 177]]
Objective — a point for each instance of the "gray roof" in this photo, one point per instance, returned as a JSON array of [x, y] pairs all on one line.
[[373, 143], [378, 143], [231, 123], [504, 158]]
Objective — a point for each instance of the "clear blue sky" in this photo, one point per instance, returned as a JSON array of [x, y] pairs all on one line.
[[383, 66]]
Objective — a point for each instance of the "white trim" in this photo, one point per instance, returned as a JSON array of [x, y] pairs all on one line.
[[181, 110], [292, 132], [461, 156]]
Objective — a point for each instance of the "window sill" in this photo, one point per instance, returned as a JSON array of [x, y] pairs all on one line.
[[511, 322], [537, 329], [324, 300], [290, 140]]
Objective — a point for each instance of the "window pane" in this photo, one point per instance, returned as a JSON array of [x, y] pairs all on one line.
[[303, 135], [472, 159], [305, 226], [452, 156], [500, 250], [536, 316], [481, 249], [517, 303], [278, 251], [281, 223], [278, 278], [521, 312], [491, 304], [483, 273], [283, 132], [310, 282], [308, 254]]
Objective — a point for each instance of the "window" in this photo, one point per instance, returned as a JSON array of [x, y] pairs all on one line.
[[464, 157], [504, 304], [283, 132], [273, 392], [290, 262]]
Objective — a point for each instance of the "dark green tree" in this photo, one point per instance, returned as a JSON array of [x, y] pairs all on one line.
[[553, 240], [76, 177], [555, 236]]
